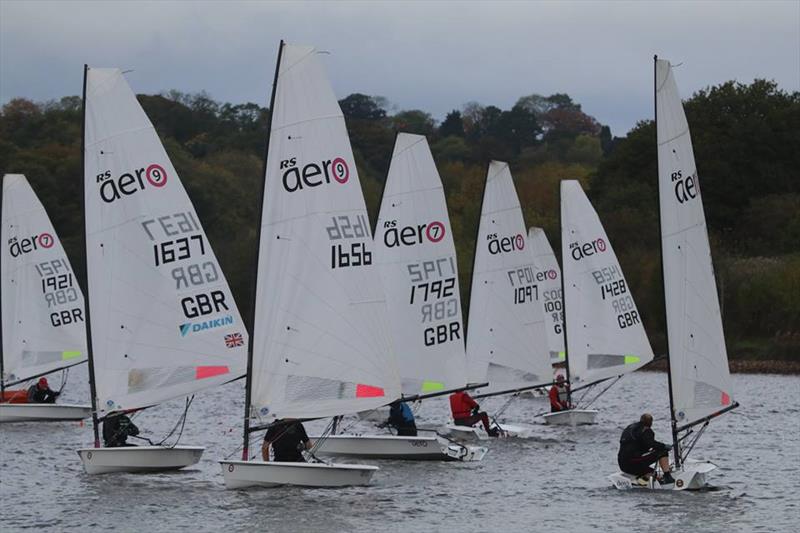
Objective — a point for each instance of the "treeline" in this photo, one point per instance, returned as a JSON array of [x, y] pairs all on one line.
[[745, 138]]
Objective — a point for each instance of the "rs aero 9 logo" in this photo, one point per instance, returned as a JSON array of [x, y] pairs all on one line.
[[129, 183], [296, 177], [579, 251], [410, 235], [499, 245]]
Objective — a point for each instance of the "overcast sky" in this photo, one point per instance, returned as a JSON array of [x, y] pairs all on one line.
[[424, 55]]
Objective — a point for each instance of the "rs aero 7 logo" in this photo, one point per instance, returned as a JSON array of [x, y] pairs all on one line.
[[685, 187], [129, 183], [18, 247], [579, 251], [410, 235], [499, 245], [295, 177]]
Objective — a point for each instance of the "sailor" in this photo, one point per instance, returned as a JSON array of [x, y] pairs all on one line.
[[559, 395], [41, 392], [117, 427], [402, 419], [638, 449], [466, 412], [288, 439]]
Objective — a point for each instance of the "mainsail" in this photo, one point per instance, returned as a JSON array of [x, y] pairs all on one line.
[[605, 335], [321, 342], [417, 256], [700, 379], [506, 341], [548, 275], [163, 320], [42, 308]]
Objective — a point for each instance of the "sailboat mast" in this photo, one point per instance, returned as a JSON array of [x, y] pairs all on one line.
[[564, 300], [673, 422], [89, 352], [249, 377]]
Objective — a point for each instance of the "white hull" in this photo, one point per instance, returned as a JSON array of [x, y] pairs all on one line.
[[244, 474], [477, 433], [138, 458], [42, 412], [571, 417], [397, 447], [692, 476]]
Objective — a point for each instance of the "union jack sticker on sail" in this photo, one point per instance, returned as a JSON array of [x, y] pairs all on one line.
[[233, 340]]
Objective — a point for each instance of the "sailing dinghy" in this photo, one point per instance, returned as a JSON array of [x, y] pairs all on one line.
[[416, 254], [506, 340], [162, 320], [321, 341], [43, 328], [605, 338], [699, 379]]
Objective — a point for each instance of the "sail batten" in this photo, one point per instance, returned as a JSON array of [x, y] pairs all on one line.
[[321, 344], [164, 323], [605, 334], [700, 379], [43, 307], [506, 340]]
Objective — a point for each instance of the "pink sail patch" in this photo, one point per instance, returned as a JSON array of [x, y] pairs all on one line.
[[726, 400], [368, 391], [203, 372]]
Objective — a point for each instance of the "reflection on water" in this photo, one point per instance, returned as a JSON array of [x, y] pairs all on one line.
[[555, 480]]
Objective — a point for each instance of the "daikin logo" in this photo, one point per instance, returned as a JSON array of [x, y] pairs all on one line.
[[579, 251], [18, 247], [410, 235], [499, 245], [129, 183], [296, 177], [194, 327]]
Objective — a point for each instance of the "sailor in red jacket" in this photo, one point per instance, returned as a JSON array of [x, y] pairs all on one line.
[[559, 395], [466, 412]]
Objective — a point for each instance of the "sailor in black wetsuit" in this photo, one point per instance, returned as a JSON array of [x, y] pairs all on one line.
[[41, 392], [288, 438], [638, 449], [402, 419], [116, 430]]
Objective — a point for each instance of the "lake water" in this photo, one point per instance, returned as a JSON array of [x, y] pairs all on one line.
[[555, 480]]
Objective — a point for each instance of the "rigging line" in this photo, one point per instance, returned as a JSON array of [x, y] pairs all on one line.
[[322, 438], [690, 447], [505, 405], [601, 392], [181, 422], [64, 376]]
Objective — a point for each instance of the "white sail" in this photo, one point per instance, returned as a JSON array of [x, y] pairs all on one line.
[[417, 256], [605, 335], [43, 316], [701, 381], [322, 344], [548, 275], [506, 340], [163, 320]]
